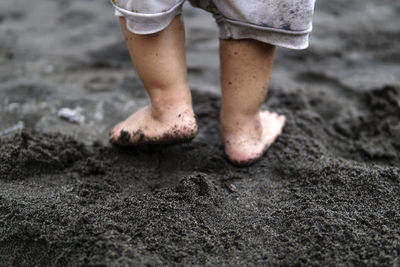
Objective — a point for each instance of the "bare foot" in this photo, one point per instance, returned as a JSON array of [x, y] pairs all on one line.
[[143, 127], [246, 142]]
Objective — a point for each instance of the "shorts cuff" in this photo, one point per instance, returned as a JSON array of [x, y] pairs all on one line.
[[148, 23], [229, 29]]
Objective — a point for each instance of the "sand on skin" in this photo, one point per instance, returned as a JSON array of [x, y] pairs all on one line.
[[326, 193]]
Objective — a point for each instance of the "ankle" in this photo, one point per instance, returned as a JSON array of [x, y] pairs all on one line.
[[169, 104], [166, 113], [233, 122]]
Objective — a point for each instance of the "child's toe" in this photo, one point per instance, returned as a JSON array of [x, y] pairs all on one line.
[[113, 138]]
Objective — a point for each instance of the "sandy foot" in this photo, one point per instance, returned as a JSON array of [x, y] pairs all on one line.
[[142, 128], [245, 147]]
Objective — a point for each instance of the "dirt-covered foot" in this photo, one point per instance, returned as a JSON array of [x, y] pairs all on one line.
[[245, 142], [145, 128]]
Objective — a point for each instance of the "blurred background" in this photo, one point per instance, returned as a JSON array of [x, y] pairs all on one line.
[[326, 193], [64, 66]]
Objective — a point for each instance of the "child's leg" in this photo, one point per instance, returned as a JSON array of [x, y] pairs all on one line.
[[248, 30], [245, 71], [160, 61]]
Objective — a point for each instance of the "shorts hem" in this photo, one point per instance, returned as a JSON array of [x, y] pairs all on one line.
[[148, 23], [238, 30]]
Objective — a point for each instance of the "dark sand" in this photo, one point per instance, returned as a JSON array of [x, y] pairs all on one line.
[[326, 193]]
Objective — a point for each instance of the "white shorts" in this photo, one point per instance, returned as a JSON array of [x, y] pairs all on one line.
[[285, 23]]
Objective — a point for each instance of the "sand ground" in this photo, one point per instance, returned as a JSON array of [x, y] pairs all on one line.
[[326, 193]]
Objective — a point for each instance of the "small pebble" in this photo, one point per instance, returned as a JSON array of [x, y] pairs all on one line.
[[71, 115], [231, 187], [16, 128]]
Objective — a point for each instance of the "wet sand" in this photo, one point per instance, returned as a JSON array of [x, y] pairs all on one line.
[[327, 192]]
